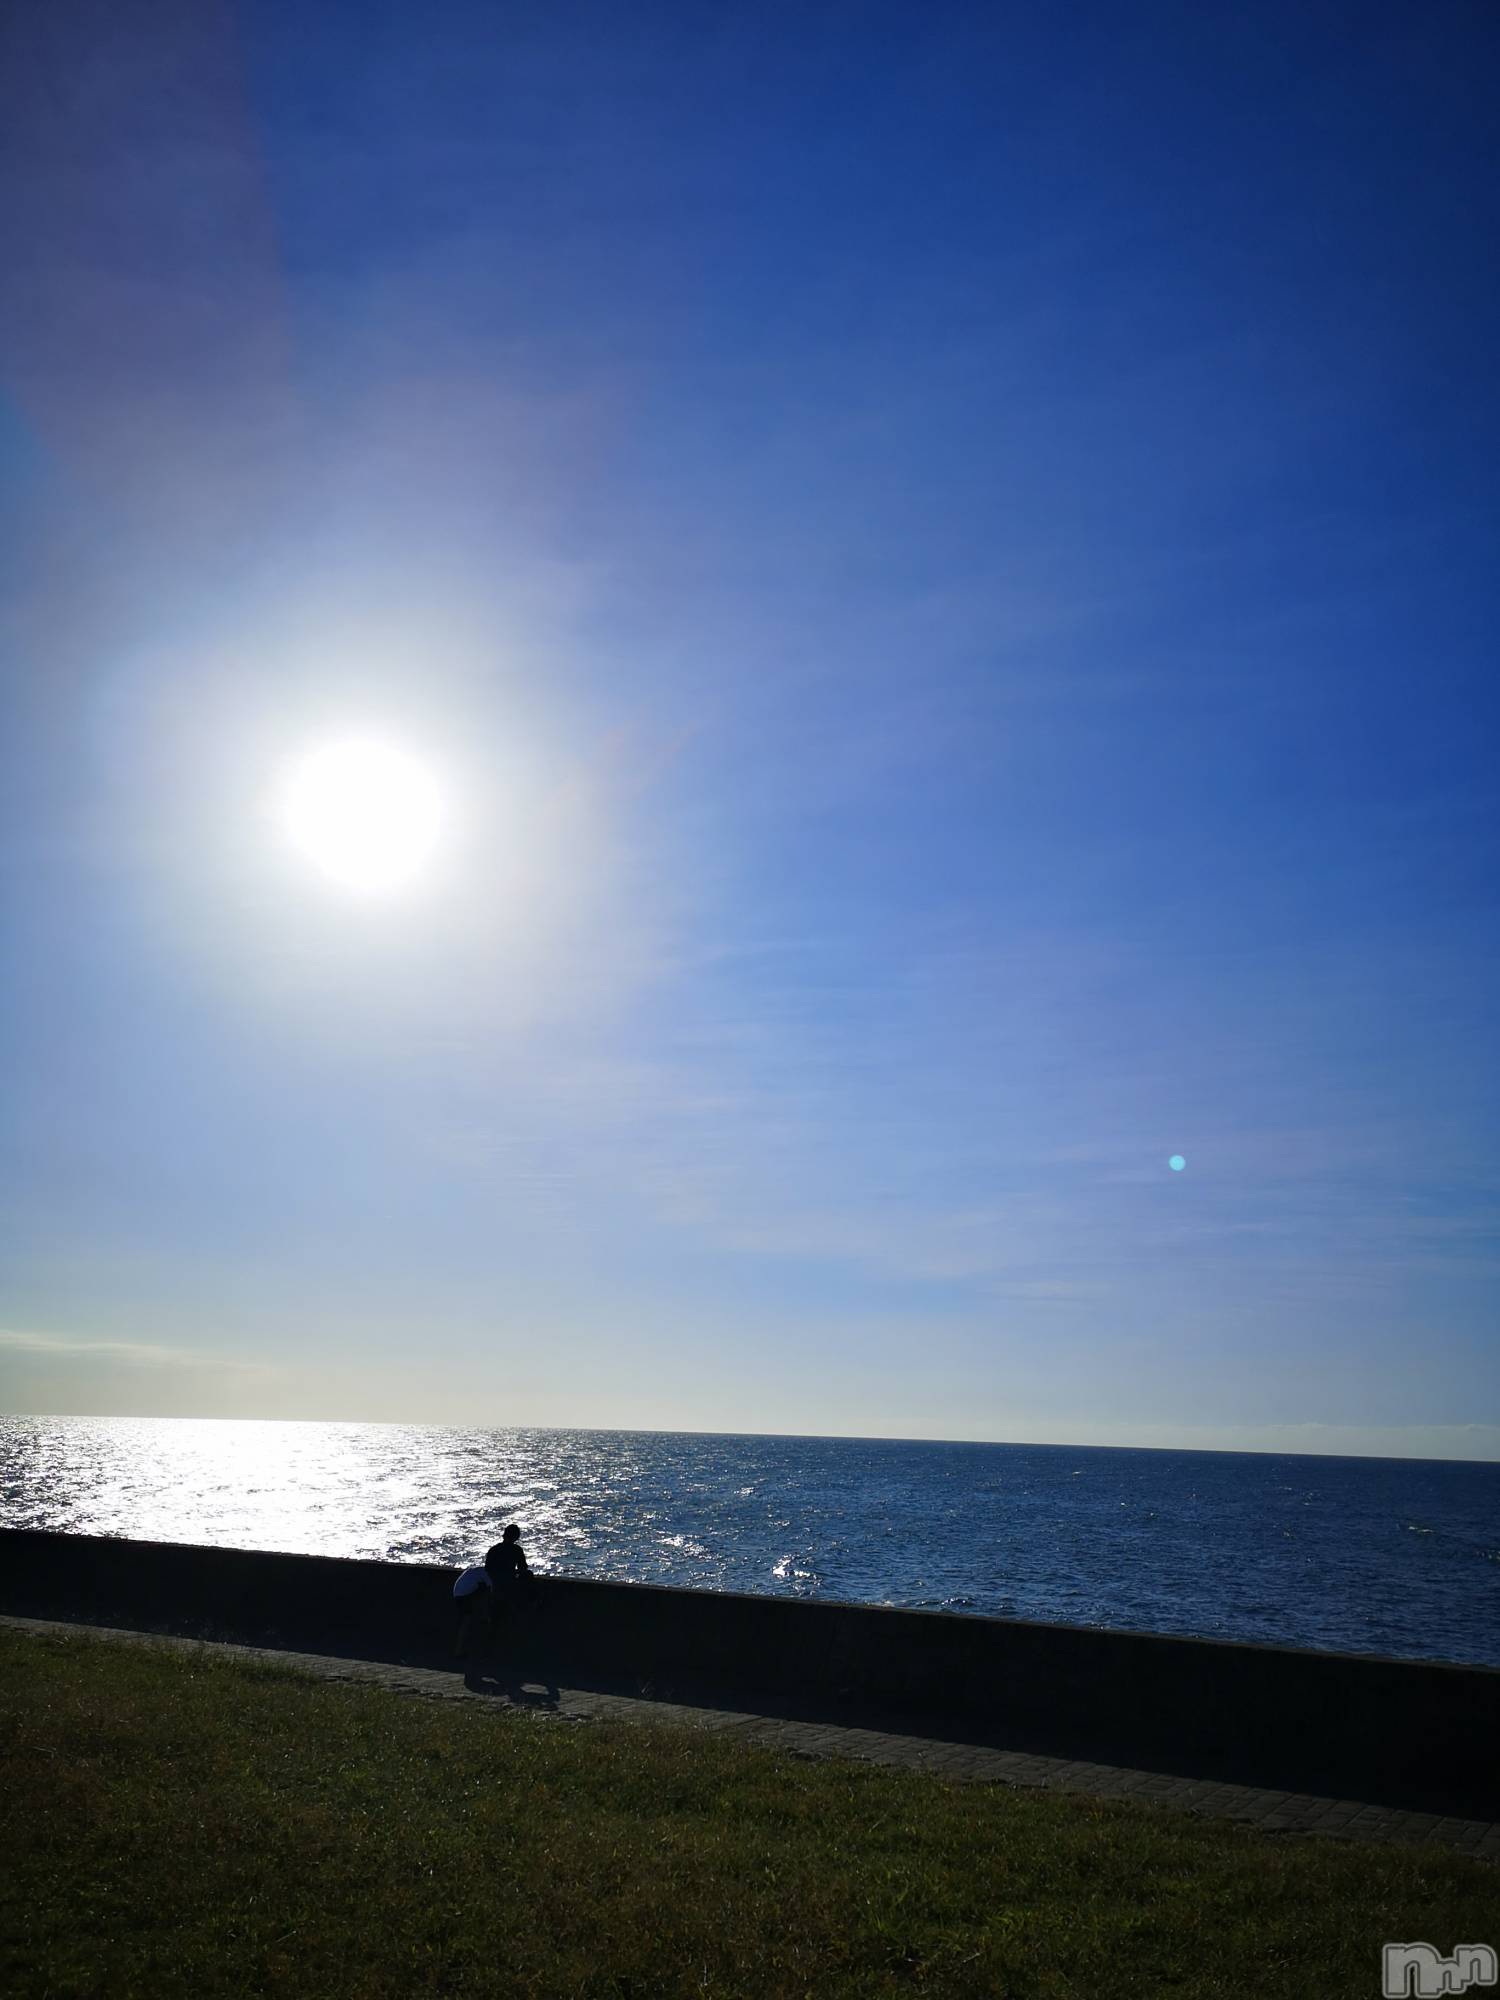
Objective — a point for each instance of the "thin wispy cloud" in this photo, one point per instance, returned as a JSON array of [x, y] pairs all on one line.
[[146, 1354]]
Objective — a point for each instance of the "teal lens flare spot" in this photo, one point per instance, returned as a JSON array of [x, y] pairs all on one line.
[[1177, 1163]]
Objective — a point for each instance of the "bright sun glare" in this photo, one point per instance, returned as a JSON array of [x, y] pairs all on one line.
[[367, 814]]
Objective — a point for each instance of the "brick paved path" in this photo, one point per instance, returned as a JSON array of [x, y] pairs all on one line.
[[1270, 1811]]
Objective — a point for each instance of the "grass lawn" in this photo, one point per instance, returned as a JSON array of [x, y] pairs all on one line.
[[181, 1824]]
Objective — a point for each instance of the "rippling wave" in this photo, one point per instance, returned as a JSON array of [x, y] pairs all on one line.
[[1391, 1556]]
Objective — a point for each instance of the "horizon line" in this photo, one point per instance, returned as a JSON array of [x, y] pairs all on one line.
[[806, 1437]]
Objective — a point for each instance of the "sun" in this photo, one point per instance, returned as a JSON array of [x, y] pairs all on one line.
[[367, 814]]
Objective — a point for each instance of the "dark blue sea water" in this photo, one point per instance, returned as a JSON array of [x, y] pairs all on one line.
[[1372, 1555]]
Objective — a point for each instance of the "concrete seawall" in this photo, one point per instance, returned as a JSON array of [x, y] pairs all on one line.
[[1407, 1732]]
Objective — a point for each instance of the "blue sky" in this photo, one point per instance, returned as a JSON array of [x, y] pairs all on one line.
[[943, 559]]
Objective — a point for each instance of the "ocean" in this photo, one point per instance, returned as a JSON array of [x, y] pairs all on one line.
[[1393, 1556]]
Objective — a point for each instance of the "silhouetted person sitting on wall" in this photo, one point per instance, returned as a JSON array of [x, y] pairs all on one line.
[[509, 1572], [507, 1567]]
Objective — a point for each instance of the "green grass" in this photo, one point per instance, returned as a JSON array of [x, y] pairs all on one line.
[[185, 1824]]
